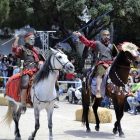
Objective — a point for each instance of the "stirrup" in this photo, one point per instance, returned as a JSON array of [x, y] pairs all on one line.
[[98, 95], [23, 110]]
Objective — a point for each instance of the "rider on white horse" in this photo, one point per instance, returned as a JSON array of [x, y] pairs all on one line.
[[31, 58], [106, 52]]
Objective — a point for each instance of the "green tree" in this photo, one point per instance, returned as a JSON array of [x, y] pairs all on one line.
[[42, 14], [126, 32], [4, 10]]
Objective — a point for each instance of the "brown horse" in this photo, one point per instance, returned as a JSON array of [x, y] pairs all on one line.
[[116, 87]]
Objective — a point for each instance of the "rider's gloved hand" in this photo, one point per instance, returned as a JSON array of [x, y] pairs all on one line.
[[77, 33]]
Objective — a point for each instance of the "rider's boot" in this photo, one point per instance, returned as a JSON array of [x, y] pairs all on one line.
[[23, 100], [99, 81]]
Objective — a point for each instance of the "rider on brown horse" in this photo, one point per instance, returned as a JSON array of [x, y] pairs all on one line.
[[106, 51], [31, 58]]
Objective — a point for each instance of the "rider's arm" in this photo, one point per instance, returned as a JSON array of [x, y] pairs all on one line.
[[88, 43], [15, 49]]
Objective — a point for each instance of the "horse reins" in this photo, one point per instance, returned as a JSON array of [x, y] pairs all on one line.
[[59, 62]]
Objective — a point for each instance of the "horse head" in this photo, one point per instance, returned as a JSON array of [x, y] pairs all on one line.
[[60, 61], [131, 53]]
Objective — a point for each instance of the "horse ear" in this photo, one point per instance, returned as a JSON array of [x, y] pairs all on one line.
[[52, 50]]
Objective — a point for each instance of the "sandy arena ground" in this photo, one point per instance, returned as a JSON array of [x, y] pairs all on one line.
[[66, 128]]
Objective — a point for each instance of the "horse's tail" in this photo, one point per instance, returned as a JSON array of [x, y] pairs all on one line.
[[8, 118], [85, 101]]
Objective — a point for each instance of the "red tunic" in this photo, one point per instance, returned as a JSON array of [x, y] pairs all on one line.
[[69, 76], [17, 51], [92, 44]]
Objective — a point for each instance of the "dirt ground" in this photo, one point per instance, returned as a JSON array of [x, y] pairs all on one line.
[[66, 128]]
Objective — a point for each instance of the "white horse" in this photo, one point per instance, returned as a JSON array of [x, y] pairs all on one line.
[[43, 92]]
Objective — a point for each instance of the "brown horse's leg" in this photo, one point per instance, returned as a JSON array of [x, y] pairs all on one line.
[[86, 119], [118, 101], [85, 104], [121, 101], [95, 107]]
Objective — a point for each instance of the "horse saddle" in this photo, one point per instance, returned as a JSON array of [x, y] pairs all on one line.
[[13, 88]]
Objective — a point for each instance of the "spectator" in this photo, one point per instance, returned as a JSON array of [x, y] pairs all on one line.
[[105, 103], [57, 91], [136, 102], [135, 88], [70, 77], [8, 57], [5, 68], [76, 93], [11, 66], [130, 80], [134, 73]]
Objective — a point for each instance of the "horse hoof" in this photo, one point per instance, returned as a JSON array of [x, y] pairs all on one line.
[[115, 131], [88, 130], [31, 138], [121, 135], [96, 128]]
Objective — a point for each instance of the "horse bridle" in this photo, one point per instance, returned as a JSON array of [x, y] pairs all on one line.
[[128, 60], [63, 65]]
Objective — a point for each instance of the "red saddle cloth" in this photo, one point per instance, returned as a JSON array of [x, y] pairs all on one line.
[[13, 88]]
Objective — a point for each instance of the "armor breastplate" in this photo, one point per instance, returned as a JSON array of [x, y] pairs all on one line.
[[28, 58], [106, 52]]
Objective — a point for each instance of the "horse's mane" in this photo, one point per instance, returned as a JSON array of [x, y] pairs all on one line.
[[44, 70]]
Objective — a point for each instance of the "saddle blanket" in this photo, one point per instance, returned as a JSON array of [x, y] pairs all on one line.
[[13, 89], [103, 84]]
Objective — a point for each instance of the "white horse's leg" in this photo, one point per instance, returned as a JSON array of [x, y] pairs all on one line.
[[37, 125], [49, 113], [16, 117]]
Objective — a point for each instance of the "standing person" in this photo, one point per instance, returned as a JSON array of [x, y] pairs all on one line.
[[11, 66], [32, 60], [106, 52], [5, 69], [70, 77]]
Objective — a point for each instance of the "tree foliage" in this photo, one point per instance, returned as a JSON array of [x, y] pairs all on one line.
[[4, 10], [42, 14]]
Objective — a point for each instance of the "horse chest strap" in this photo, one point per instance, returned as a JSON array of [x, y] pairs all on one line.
[[39, 101]]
